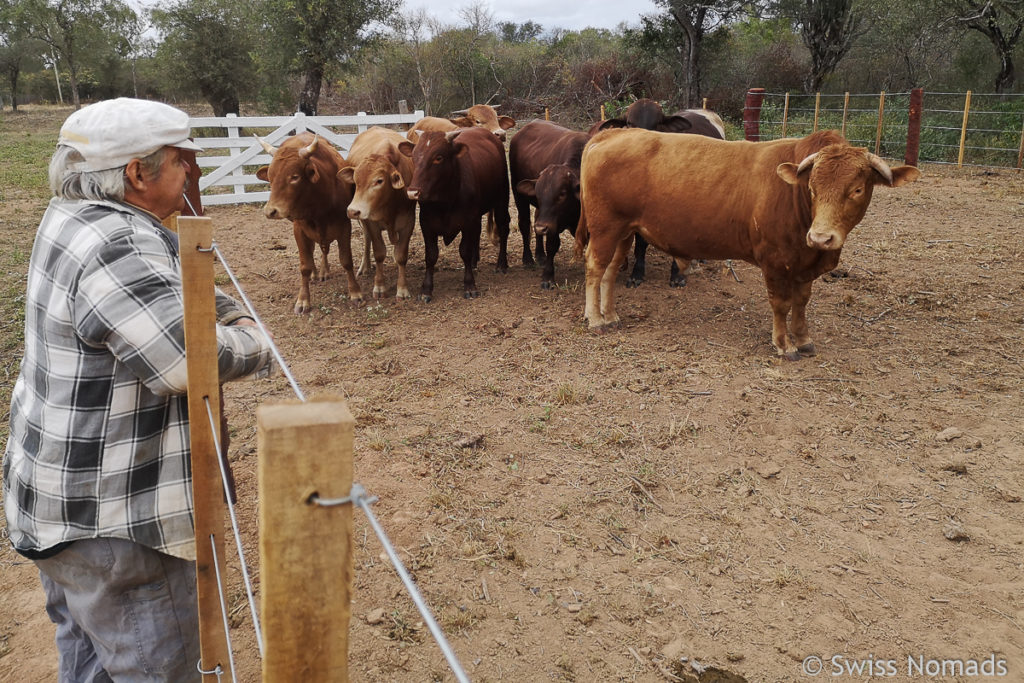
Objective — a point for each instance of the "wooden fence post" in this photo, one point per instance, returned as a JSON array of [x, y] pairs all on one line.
[[881, 114], [305, 449], [914, 127], [817, 108], [1020, 152], [846, 108], [195, 237], [963, 130], [785, 115], [752, 114]]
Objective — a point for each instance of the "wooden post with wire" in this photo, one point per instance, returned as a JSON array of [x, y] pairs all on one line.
[[195, 238], [881, 118], [817, 109], [846, 109], [963, 130], [785, 114], [305, 452]]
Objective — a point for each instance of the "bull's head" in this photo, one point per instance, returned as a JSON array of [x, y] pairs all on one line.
[[292, 169], [484, 116], [557, 191], [840, 180], [374, 181], [433, 163]]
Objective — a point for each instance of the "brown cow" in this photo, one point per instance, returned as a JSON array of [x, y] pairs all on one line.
[[379, 174], [544, 163], [478, 116], [786, 206], [458, 177], [304, 188]]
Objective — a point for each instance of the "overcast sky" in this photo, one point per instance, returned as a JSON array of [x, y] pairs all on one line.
[[568, 14]]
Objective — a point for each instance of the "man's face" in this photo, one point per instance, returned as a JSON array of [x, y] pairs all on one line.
[[165, 191]]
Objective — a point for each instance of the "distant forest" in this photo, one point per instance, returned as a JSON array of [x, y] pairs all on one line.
[[342, 56]]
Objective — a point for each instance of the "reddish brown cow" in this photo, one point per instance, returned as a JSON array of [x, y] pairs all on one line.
[[786, 206], [458, 177], [544, 163], [378, 175], [304, 188], [478, 116]]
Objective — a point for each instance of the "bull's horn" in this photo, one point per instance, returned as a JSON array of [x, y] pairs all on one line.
[[879, 165], [305, 152], [806, 163], [452, 134], [461, 112], [267, 147]]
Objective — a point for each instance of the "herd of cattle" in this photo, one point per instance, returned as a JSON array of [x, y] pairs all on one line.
[[786, 206]]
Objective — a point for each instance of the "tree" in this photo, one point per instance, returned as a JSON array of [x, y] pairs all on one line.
[[74, 28], [1001, 22], [18, 49], [310, 35], [511, 32], [207, 48], [684, 25], [828, 29]]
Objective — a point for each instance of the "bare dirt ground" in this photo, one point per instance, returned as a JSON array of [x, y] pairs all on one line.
[[637, 505]]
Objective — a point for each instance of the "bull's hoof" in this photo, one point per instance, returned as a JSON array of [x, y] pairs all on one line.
[[378, 293], [529, 263], [808, 349], [677, 281], [633, 282], [425, 298], [356, 298], [501, 268], [792, 355], [301, 307], [403, 294], [547, 284], [470, 294]]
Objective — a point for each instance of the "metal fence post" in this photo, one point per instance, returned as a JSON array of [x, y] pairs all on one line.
[[752, 114]]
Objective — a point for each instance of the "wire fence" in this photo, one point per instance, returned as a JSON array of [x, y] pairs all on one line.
[[965, 129]]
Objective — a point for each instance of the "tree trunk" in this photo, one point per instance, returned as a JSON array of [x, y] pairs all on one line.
[[1007, 74], [309, 98], [12, 80]]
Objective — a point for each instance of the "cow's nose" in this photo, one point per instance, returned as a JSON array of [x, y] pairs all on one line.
[[500, 134], [270, 211], [821, 240], [413, 194], [354, 214], [541, 228]]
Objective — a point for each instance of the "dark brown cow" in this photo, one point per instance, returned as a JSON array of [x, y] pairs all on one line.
[[649, 115], [786, 206], [457, 178], [378, 175], [478, 116], [304, 188], [544, 163]]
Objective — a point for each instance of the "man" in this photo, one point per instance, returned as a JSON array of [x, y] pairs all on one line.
[[97, 479]]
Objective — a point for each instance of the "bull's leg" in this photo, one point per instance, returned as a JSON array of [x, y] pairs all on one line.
[[324, 273], [430, 254], [403, 230], [504, 222], [597, 264], [540, 249], [780, 295], [554, 243], [798, 324], [380, 252], [355, 292], [611, 318], [676, 277], [469, 250], [306, 267], [640, 264], [523, 209]]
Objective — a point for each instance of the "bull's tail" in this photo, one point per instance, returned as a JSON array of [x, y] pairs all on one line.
[[492, 230], [582, 237]]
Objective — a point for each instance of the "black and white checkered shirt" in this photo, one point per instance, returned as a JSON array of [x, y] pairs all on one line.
[[99, 443]]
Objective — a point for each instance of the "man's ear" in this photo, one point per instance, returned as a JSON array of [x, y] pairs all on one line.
[[134, 177]]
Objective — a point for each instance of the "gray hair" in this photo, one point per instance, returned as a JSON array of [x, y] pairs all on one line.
[[108, 184]]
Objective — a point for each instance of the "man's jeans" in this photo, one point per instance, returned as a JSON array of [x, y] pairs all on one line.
[[124, 612]]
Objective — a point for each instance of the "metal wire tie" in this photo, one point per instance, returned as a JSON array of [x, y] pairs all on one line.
[[357, 496]]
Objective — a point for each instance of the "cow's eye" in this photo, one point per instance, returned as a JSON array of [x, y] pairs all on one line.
[[379, 181], [438, 159], [857, 192], [294, 178]]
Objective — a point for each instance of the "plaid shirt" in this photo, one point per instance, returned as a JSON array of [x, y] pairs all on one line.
[[99, 442]]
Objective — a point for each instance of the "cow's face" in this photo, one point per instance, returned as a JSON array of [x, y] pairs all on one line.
[[374, 181], [294, 173], [434, 165], [484, 116], [840, 180], [557, 191]]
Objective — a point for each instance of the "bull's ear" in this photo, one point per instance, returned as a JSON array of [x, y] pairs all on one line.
[[462, 122], [406, 148], [527, 187], [575, 184], [674, 124], [612, 123], [263, 174], [506, 122], [347, 175], [789, 173], [396, 180], [313, 172], [904, 174]]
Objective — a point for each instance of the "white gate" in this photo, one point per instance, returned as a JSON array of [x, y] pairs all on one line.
[[229, 155]]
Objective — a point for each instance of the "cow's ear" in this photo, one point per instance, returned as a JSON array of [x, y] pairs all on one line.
[[347, 175], [612, 123], [506, 122], [462, 122], [406, 148], [313, 172], [575, 185], [789, 172], [396, 180], [527, 187], [902, 175], [674, 124], [264, 174]]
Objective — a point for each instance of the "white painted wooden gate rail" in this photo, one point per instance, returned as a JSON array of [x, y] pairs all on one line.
[[229, 170]]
